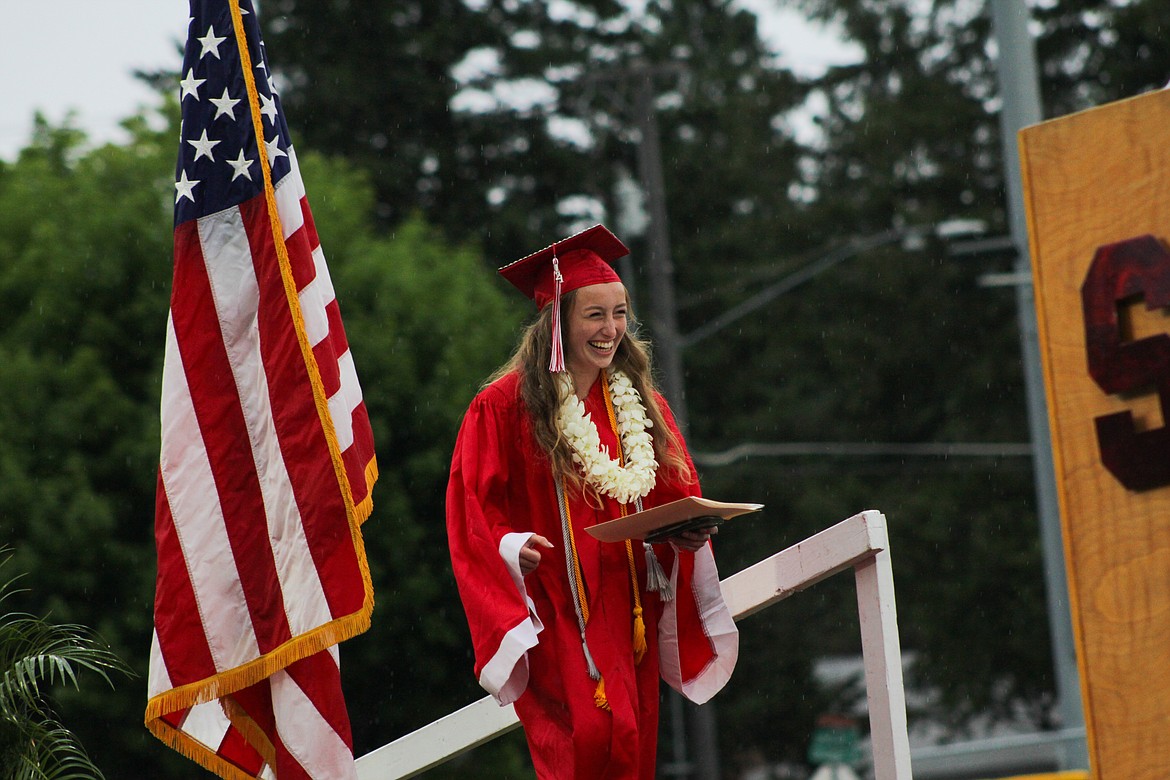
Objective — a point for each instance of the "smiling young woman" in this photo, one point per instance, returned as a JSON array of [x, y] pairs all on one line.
[[596, 324], [569, 433]]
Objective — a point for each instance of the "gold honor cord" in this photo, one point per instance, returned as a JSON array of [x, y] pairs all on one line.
[[577, 585]]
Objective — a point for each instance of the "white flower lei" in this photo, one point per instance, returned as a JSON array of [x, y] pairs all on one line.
[[622, 483]]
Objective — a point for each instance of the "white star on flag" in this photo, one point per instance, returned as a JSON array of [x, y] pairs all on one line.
[[210, 43], [190, 85], [183, 188], [203, 146], [269, 108], [274, 149], [240, 167], [224, 105]]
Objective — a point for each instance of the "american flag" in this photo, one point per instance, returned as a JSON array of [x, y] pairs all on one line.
[[267, 458]]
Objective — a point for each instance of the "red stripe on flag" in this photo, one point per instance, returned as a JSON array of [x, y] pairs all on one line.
[[336, 330], [304, 447], [238, 752], [300, 256], [177, 717], [225, 435], [359, 455], [330, 348], [327, 364], [310, 227], [181, 637]]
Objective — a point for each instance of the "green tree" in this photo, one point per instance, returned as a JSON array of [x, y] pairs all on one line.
[[374, 83], [428, 86], [900, 344], [83, 282], [1095, 51], [36, 655], [910, 137]]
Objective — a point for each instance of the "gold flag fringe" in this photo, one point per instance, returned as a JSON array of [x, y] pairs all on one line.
[[229, 681], [362, 511], [224, 684], [195, 751], [251, 730]]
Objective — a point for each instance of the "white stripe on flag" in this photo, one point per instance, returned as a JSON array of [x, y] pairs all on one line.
[[199, 522], [306, 735], [289, 192], [237, 296], [326, 282], [345, 400], [159, 679], [316, 295], [207, 723]]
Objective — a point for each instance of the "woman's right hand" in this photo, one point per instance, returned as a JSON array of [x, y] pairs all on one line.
[[530, 554], [695, 539]]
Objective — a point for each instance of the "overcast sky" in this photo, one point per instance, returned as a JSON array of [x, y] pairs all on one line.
[[80, 55]]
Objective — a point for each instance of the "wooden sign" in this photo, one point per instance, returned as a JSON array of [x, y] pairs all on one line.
[[1097, 186]]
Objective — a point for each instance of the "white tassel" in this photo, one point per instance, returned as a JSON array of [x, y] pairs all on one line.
[[656, 581], [556, 362], [594, 674]]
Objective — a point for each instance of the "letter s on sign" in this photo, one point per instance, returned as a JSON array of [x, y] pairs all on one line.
[[1138, 266]]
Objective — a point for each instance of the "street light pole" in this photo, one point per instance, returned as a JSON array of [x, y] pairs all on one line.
[[639, 78], [661, 268], [1019, 89], [668, 353]]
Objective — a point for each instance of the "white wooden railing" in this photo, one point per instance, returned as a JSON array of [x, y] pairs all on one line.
[[859, 543]]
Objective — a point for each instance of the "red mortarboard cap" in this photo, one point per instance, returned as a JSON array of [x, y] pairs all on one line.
[[583, 258], [578, 261]]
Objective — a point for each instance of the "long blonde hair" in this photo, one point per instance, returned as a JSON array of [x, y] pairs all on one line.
[[539, 391]]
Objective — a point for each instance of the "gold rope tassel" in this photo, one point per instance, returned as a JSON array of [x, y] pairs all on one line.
[[639, 636], [639, 623], [599, 696]]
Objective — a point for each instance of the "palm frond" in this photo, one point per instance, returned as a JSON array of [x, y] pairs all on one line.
[[36, 655], [49, 751]]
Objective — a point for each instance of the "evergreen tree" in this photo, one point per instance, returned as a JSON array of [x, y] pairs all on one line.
[[1095, 51]]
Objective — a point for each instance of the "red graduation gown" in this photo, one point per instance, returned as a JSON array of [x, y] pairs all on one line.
[[524, 629]]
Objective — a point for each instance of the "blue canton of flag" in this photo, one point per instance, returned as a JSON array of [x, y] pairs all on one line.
[[218, 164]]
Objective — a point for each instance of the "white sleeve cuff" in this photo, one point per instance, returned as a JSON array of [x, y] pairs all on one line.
[[718, 626], [505, 676]]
